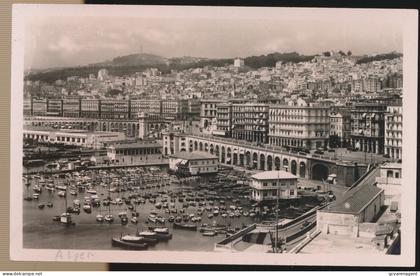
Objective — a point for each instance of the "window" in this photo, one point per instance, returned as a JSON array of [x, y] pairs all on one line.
[[292, 192], [265, 193], [265, 184], [274, 184], [273, 193]]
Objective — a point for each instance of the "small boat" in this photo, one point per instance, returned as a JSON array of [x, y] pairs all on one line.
[[76, 203], [61, 193], [87, 208], [41, 206], [62, 188], [35, 196], [124, 220], [209, 233], [56, 218], [152, 218], [128, 245], [158, 205], [160, 219], [122, 214], [65, 219], [171, 219], [134, 220], [49, 204], [91, 191], [73, 193], [191, 227], [28, 198], [99, 218], [216, 212], [109, 218], [210, 215]]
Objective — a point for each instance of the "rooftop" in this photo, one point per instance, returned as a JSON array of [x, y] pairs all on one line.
[[355, 200], [273, 175], [193, 155], [391, 166], [136, 145], [62, 130]]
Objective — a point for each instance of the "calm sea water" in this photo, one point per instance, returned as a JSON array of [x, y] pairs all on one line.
[[39, 231]]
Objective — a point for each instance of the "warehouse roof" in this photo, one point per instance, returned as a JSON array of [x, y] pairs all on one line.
[[355, 200], [267, 175], [193, 155]]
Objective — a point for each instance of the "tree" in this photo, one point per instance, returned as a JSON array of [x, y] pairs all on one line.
[[349, 53]]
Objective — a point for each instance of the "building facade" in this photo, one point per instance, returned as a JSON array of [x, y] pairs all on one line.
[[224, 120], [393, 132], [135, 153], [270, 185], [339, 129], [299, 125], [250, 122], [208, 112], [368, 127], [196, 163]]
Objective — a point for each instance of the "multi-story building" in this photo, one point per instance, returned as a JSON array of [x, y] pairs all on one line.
[[39, 107], [71, 108], [393, 131], [194, 106], [90, 108], [395, 80], [27, 107], [146, 106], [273, 185], [103, 74], [114, 109], [135, 153], [174, 109], [194, 163], [372, 84], [55, 107], [339, 128], [224, 120], [208, 111], [368, 127], [299, 125], [238, 62], [250, 122]]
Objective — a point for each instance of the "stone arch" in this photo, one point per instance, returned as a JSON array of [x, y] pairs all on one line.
[[262, 162], [223, 158], [302, 169], [254, 160], [293, 167], [269, 162], [277, 163], [228, 155], [206, 147], [319, 172], [200, 148], [195, 145], [211, 149], [286, 164], [217, 150], [248, 159], [166, 151], [191, 146]]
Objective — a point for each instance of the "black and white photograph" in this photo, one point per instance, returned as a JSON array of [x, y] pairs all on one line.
[[222, 135]]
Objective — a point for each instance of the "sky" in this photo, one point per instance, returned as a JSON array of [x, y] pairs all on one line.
[[64, 41]]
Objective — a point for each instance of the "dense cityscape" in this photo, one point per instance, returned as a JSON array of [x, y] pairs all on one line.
[[300, 157]]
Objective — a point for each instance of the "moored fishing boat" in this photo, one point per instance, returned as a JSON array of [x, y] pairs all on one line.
[[191, 227], [128, 245]]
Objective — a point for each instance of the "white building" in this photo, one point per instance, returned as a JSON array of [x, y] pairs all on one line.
[[267, 185], [135, 153], [82, 138], [195, 163], [103, 74], [393, 132], [238, 63]]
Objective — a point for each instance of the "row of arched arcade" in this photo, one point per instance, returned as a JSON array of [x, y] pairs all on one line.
[[257, 159]]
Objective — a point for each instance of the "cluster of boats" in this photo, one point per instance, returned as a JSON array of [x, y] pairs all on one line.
[[142, 240]]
